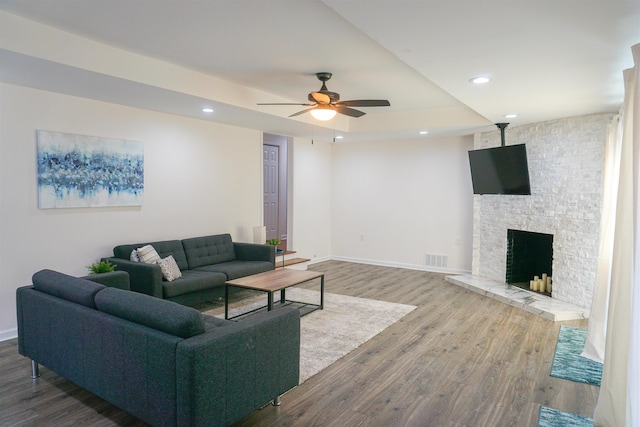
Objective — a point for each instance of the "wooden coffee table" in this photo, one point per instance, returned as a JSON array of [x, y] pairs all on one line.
[[273, 281]]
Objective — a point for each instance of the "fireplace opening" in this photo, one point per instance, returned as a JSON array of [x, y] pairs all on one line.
[[528, 255]]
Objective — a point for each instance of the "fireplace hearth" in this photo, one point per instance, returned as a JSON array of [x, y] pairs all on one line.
[[529, 255]]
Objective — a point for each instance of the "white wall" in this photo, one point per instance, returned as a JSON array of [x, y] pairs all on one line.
[[311, 215], [200, 178], [395, 201], [406, 197]]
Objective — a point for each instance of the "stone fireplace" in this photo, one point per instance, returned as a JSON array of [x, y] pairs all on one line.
[[529, 256], [566, 168]]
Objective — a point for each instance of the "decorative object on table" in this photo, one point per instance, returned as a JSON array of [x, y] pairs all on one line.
[[567, 362], [274, 242], [87, 171], [100, 267]]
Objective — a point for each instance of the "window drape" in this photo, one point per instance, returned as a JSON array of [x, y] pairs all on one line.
[[619, 399]]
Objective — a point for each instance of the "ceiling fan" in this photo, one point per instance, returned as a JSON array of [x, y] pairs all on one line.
[[325, 104]]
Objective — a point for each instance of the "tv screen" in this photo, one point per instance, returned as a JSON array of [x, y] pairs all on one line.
[[500, 170]]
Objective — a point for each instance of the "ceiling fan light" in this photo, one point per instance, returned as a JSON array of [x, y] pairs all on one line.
[[323, 113]]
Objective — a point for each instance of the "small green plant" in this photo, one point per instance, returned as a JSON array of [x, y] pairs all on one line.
[[103, 266], [274, 242]]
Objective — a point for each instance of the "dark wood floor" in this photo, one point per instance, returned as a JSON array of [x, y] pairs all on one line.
[[459, 359]]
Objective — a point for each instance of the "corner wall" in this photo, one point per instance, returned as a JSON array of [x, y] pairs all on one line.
[[566, 168], [396, 201]]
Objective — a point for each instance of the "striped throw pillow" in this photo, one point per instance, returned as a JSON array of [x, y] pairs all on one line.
[[148, 254]]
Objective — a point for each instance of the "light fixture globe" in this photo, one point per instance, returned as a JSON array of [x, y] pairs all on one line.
[[323, 113]]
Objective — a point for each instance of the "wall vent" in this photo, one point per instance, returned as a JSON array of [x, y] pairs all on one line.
[[436, 260]]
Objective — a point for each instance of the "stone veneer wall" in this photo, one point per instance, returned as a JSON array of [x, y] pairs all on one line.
[[566, 169]]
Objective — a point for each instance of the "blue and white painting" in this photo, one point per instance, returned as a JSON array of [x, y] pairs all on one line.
[[77, 171]]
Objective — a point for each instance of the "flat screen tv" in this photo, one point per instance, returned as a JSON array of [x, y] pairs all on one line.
[[500, 170]]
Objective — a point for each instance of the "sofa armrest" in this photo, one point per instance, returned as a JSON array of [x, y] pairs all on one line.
[[231, 370], [255, 252], [143, 278], [113, 279]]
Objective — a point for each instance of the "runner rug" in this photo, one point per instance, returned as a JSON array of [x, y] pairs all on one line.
[[550, 417], [567, 362], [345, 324]]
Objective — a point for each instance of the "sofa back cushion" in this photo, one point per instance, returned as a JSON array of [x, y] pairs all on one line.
[[164, 249], [67, 287], [208, 250], [156, 313]]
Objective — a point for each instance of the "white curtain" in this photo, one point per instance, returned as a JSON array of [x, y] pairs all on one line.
[[619, 399], [595, 342]]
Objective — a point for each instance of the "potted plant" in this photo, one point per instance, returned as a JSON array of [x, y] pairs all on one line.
[[275, 242], [99, 267]]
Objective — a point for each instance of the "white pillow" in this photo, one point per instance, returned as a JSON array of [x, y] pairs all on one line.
[[170, 269], [148, 254], [134, 256]]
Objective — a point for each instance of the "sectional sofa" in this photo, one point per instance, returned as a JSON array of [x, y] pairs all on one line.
[[205, 264], [164, 363]]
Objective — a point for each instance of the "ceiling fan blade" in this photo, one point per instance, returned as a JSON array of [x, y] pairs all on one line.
[[349, 111], [321, 98], [301, 112], [285, 103], [365, 103]]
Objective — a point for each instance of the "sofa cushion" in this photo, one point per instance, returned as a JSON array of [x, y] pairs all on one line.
[[236, 269], [148, 254], [67, 287], [166, 316], [208, 250], [164, 249], [192, 281], [170, 270]]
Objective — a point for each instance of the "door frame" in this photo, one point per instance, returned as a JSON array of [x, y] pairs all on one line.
[[282, 142]]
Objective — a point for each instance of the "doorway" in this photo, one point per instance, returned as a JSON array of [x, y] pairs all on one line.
[[274, 164]]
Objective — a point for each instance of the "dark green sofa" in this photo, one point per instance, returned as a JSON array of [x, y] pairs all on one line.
[[164, 363], [206, 263]]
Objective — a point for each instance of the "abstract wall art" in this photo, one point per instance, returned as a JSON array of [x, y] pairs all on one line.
[[87, 171]]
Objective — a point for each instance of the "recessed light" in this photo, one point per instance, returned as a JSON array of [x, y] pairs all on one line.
[[510, 116], [423, 132], [207, 110], [480, 80], [339, 136]]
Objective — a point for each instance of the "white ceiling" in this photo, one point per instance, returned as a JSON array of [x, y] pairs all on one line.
[[547, 59]]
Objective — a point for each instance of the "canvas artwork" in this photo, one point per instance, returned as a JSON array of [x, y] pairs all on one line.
[[87, 171]]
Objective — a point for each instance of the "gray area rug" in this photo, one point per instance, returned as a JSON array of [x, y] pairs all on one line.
[[345, 323]]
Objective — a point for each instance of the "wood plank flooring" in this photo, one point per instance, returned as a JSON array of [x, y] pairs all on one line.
[[459, 359]]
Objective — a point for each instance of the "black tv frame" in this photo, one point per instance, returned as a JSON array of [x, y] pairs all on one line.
[[500, 170]]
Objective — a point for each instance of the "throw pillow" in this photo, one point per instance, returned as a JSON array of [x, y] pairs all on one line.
[[148, 254], [170, 269], [134, 256]]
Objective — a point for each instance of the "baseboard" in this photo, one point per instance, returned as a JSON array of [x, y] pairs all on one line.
[[8, 335], [317, 260], [402, 265]]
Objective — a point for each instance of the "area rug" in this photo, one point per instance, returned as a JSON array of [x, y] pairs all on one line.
[[343, 325], [550, 417], [567, 362]]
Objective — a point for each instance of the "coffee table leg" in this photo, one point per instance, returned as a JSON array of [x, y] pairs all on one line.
[[282, 297], [269, 301], [226, 301], [321, 292]]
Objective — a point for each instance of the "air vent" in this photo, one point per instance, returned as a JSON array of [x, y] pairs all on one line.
[[436, 260]]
